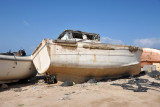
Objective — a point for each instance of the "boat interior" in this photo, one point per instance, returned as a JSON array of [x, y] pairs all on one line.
[[78, 36]]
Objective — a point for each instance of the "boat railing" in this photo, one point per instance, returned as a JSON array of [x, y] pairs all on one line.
[[65, 41]]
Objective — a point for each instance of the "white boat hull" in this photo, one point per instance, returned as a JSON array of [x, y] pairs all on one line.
[[81, 61], [13, 68]]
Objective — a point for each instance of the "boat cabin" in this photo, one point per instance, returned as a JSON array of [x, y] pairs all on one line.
[[79, 36]]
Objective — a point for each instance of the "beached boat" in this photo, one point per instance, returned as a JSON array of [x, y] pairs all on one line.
[[78, 56], [14, 68], [150, 56], [150, 59]]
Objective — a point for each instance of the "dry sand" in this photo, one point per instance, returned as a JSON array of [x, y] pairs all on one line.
[[101, 94]]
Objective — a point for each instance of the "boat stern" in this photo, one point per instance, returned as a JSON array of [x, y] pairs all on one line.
[[41, 57]]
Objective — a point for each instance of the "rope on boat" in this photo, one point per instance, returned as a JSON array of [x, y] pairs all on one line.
[[15, 59]]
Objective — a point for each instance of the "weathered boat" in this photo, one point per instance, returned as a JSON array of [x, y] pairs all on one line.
[[14, 68], [78, 56], [150, 59], [150, 56]]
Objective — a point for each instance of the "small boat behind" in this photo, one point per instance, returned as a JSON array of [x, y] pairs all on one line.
[[15, 66], [150, 59], [79, 56], [150, 56]]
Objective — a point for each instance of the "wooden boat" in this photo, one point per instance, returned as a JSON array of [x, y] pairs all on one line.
[[78, 56], [14, 68]]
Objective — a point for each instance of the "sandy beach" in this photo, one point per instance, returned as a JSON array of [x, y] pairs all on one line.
[[100, 94]]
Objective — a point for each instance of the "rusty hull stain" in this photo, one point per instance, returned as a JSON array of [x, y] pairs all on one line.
[[49, 50], [68, 46], [78, 74], [98, 47], [94, 57]]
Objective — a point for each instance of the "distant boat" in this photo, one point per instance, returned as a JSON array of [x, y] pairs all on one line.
[[79, 56], [150, 59], [14, 68], [150, 56]]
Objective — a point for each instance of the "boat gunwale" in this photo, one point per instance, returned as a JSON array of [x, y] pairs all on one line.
[[15, 58], [54, 42]]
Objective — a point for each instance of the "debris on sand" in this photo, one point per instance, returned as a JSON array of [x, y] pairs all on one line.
[[20, 104], [67, 94], [67, 83], [41, 82], [4, 86], [18, 89], [155, 84], [64, 98], [51, 79], [92, 81], [142, 85], [154, 74], [134, 81]]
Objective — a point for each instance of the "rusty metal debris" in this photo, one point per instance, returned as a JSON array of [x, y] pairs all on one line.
[[50, 79]]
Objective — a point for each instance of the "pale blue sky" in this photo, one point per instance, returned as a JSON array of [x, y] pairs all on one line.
[[25, 23]]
